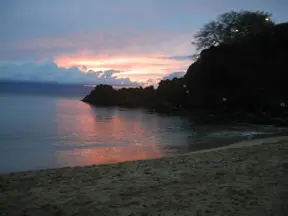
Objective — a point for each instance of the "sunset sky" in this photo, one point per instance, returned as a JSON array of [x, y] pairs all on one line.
[[118, 42]]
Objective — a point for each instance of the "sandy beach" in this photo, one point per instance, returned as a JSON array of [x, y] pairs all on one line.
[[245, 178]]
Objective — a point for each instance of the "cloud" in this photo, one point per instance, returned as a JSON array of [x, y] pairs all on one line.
[[113, 42], [136, 67], [174, 75], [181, 58], [50, 72], [139, 55]]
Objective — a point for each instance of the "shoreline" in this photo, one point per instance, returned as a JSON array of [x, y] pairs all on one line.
[[205, 146], [219, 142], [245, 178]]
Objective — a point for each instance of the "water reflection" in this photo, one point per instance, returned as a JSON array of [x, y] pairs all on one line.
[[104, 155], [98, 136]]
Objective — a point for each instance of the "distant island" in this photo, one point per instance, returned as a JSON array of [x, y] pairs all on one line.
[[243, 80]]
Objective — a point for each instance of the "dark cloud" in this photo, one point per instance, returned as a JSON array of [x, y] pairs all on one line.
[[181, 58], [50, 72], [174, 75]]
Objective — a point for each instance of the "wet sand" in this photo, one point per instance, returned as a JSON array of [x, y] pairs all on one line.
[[245, 178]]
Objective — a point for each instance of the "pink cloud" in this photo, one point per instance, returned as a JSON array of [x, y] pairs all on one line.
[[135, 67], [138, 56]]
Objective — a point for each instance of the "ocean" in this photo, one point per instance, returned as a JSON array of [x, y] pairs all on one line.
[[50, 131]]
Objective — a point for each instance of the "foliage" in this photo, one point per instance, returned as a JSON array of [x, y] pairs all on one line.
[[245, 75], [231, 26], [172, 91], [105, 95]]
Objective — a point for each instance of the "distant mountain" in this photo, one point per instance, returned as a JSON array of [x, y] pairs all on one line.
[[38, 88]]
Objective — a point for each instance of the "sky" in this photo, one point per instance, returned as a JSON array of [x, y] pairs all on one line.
[[117, 42]]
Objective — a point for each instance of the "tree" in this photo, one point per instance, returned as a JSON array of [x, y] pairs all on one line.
[[230, 26], [103, 95], [172, 91]]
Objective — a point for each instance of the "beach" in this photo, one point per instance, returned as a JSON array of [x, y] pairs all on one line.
[[245, 178]]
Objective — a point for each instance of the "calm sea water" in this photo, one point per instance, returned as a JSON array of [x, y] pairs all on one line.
[[45, 132]]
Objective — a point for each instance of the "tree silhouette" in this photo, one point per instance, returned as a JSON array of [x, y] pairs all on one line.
[[245, 75], [231, 26], [172, 91]]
